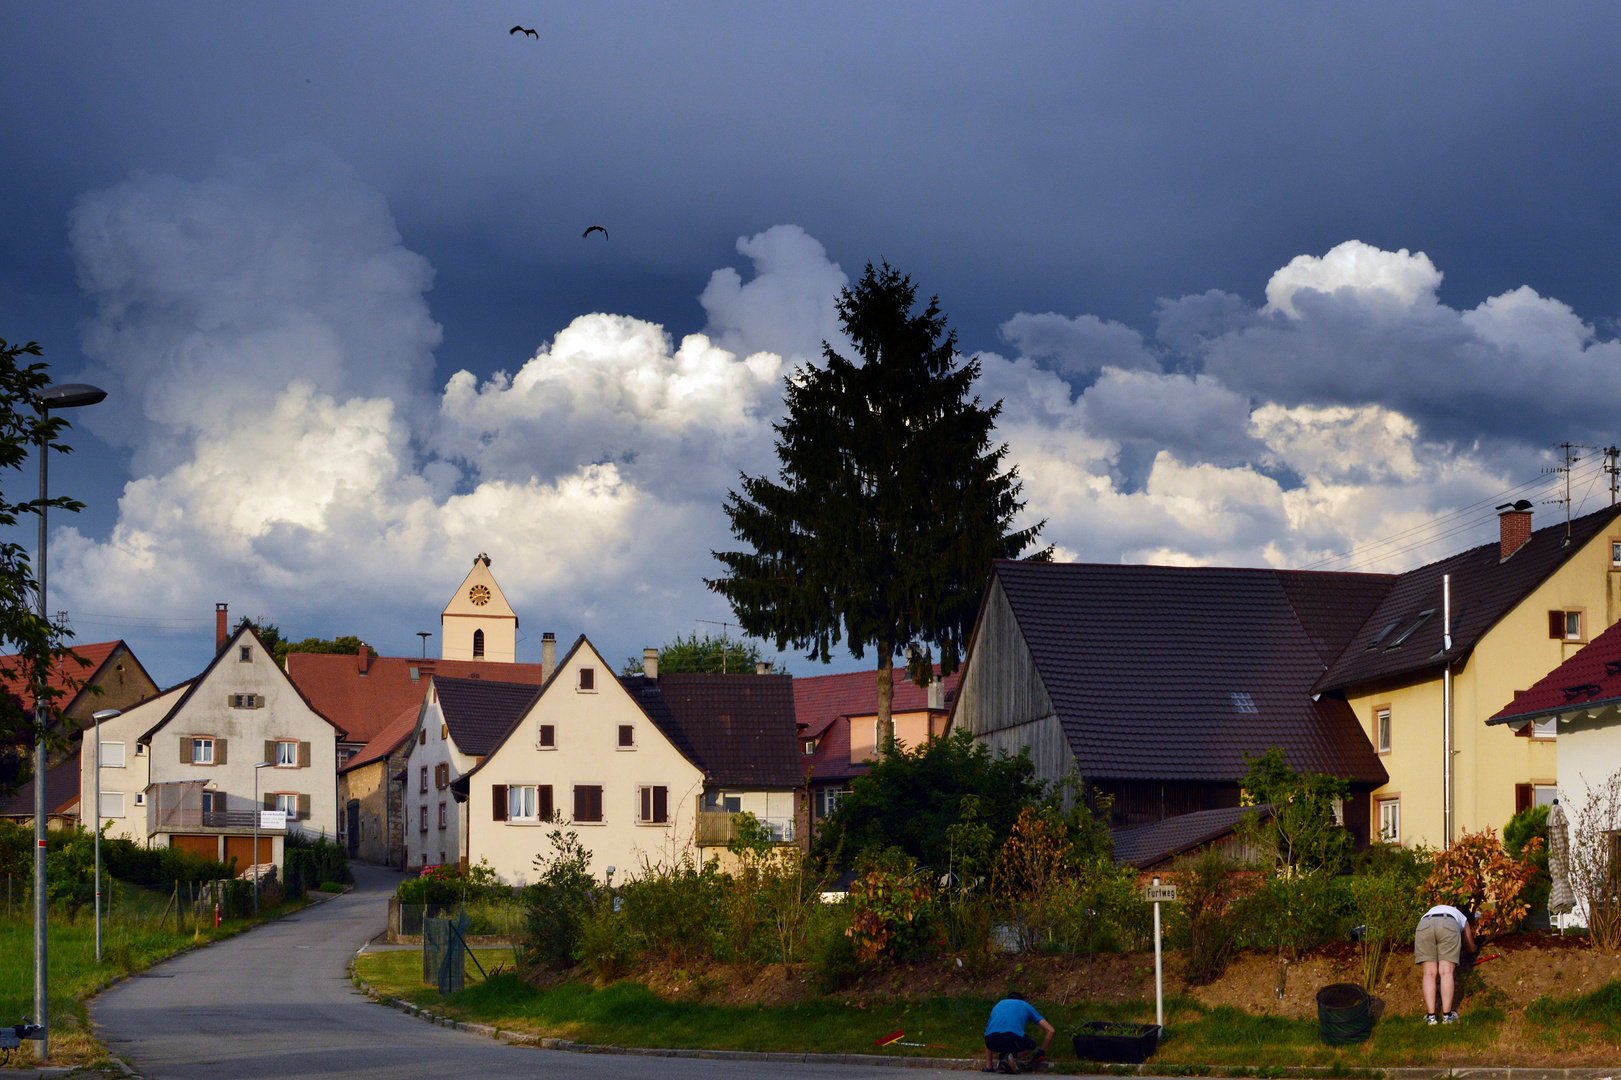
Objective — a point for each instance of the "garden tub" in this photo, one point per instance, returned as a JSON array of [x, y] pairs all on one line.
[[1119, 1043]]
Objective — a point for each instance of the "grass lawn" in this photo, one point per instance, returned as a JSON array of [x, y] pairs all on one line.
[[628, 1014], [74, 974]]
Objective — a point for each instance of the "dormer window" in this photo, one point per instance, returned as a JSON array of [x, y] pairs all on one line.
[[810, 746]]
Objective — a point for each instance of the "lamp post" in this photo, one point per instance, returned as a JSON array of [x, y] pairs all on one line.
[[66, 396], [255, 863], [104, 714]]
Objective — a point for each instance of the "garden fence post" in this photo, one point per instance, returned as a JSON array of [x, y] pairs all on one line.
[[1159, 969]]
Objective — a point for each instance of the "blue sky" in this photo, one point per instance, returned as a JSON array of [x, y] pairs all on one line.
[[280, 236]]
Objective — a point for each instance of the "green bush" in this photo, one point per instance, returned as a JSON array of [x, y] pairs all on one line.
[[1211, 889], [559, 902], [675, 911], [307, 861], [446, 885], [1525, 826], [832, 950], [606, 947]]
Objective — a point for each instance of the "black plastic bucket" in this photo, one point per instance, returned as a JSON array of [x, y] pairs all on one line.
[[1124, 1044], [1344, 1015]]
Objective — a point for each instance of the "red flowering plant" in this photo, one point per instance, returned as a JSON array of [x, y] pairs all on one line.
[[1477, 873]]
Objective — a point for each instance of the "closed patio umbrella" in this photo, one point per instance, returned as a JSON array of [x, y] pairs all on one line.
[[1560, 898]]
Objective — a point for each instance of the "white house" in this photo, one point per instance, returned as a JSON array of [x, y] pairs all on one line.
[[643, 769], [124, 761], [459, 722], [242, 711]]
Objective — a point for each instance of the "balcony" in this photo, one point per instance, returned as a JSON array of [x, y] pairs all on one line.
[[178, 807], [717, 828]]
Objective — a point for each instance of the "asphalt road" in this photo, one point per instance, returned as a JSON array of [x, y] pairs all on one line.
[[277, 1002]]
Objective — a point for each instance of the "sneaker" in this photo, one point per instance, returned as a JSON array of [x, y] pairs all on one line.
[[1010, 1064], [1429, 1018], [1450, 1018]]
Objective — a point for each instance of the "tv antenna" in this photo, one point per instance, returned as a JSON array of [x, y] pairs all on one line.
[[1571, 458], [725, 641]]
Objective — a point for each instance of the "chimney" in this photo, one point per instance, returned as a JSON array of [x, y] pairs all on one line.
[[762, 667], [650, 664], [548, 655], [1514, 522], [364, 659], [220, 631], [937, 695]]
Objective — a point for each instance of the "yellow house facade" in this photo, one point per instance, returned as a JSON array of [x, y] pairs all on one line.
[[1520, 608]]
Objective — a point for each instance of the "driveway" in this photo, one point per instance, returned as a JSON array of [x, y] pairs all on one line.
[[277, 1002]]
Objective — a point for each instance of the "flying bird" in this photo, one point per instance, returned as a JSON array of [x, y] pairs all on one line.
[[523, 30], [592, 229]]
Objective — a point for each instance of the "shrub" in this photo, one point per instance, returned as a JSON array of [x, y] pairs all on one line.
[[605, 947], [1476, 873], [1387, 898], [832, 950], [1595, 871], [889, 913], [308, 860], [1293, 910], [675, 909], [1527, 825], [1032, 874], [559, 902], [446, 885], [1211, 888]]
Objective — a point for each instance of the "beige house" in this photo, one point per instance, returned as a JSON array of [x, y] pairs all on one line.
[[371, 793], [240, 712], [124, 766], [478, 623], [643, 769]]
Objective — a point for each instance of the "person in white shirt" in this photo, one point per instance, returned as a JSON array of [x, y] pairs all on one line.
[[1438, 943]]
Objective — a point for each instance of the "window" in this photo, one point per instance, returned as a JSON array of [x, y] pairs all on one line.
[[140, 749], [213, 800], [521, 803], [286, 754], [1567, 625], [441, 819], [1544, 794], [1423, 617], [587, 803], [655, 805], [423, 815], [548, 737], [1545, 729], [810, 746], [588, 680], [1390, 821], [287, 803], [424, 788], [112, 755], [422, 737], [1381, 730], [827, 800], [441, 775], [444, 732], [112, 804], [478, 644], [1376, 642], [1243, 703], [202, 751], [245, 701], [1615, 553], [140, 798], [627, 736], [245, 655]]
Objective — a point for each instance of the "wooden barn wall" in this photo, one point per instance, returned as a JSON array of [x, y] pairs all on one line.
[[1001, 699]]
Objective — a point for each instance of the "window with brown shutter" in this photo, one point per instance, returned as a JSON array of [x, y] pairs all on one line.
[[423, 787], [548, 736], [303, 755], [588, 678], [219, 751], [1522, 797], [498, 801], [627, 736], [1556, 624], [655, 805], [546, 810], [587, 803], [303, 808]]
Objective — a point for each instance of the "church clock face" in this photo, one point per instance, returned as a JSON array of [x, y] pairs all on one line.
[[479, 595]]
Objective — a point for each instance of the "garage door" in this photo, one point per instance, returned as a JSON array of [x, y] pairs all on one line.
[[206, 846], [240, 848]]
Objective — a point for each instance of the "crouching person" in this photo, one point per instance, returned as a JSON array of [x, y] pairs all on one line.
[[1005, 1040], [1443, 934]]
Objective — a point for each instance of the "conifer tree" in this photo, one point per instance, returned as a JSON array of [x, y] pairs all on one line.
[[890, 503]]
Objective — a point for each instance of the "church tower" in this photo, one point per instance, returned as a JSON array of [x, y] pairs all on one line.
[[478, 623]]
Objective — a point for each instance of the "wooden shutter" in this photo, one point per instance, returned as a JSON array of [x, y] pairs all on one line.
[[303, 755], [303, 808], [647, 804], [661, 804], [185, 749], [270, 800], [587, 803], [498, 796], [219, 751], [1556, 624], [1523, 797], [270, 751], [543, 802]]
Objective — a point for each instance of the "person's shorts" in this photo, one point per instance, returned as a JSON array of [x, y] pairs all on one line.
[[1437, 939], [1007, 1042]]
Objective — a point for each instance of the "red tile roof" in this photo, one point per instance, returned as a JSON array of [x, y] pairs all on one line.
[[388, 740], [61, 791], [1589, 679], [820, 698], [97, 653], [831, 761], [366, 704]]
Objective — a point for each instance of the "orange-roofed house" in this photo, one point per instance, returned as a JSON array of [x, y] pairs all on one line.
[[371, 795]]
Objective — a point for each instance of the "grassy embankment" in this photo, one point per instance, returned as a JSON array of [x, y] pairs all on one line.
[[1584, 1029], [132, 940]]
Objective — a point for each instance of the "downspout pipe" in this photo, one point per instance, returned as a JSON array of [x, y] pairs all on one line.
[[1446, 707]]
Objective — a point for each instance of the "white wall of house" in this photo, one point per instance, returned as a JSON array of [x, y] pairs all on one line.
[[434, 822], [1589, 754], [123, 767], [244, 705], [585, 754]]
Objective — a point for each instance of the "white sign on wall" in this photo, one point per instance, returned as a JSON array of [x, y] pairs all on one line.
[[272, 819]]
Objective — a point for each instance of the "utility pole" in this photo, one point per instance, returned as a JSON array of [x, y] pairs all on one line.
[[1612, 455]]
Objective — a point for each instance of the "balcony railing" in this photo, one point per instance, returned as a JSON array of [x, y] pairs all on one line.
[[717, 828]]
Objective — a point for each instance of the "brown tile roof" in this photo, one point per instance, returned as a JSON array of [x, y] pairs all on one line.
[[387, 741], [819, 698], [61, 791], [739, 729], [1589, 679], [1484, 589], [365, 704], [1176, 673], [480, 712], [1149, 845], [831, 761], [97, 653]]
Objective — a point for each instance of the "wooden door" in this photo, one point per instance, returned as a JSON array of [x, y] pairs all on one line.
[[206, 846], [241, 848]]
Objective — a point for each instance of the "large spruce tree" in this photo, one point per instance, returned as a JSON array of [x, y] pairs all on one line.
[[891, 501]]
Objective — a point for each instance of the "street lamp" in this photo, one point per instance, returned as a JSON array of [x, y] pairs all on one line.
[[66, 396], [104, 714], [255, 863]]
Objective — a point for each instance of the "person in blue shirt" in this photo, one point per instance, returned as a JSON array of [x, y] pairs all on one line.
[[1005, 1040]]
